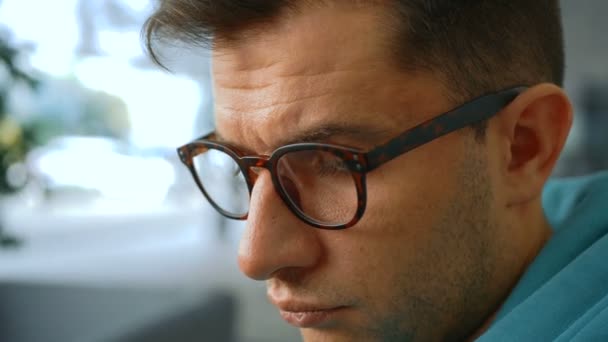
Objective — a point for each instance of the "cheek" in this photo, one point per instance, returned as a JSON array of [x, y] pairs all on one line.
[[406, 199], [407, 193], [413, 261], [374, 257]]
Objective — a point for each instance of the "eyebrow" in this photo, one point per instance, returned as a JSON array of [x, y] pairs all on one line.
[[325, 132]]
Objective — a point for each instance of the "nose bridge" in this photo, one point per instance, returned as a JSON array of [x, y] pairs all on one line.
[[274, 238], [255, 165]]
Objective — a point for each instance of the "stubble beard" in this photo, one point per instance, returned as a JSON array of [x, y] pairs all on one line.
[[447, 290]]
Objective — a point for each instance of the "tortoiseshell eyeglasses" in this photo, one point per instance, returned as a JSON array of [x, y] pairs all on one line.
[[322, 184]]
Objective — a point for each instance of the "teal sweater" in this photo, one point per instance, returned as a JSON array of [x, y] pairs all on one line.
[[563, 295]]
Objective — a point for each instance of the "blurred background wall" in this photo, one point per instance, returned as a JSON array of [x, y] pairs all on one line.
[[585, 29], [92, 194]]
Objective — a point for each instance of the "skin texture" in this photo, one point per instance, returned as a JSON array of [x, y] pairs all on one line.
[[449, 227]]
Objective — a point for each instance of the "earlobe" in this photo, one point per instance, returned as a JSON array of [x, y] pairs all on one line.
[[536, 124]]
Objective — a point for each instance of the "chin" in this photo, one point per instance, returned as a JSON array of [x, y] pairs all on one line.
[[346, 335]]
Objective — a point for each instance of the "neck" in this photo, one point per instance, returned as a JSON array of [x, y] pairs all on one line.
[[533, 239]]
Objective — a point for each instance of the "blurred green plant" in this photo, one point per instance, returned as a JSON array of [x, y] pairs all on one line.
[[12, 146], [86, 113], [90, 113], [13, 137]]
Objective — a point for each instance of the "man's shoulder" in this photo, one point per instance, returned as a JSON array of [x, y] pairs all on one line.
[[563, 296]]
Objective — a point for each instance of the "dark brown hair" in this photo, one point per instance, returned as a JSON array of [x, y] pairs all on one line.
[[473, 46]]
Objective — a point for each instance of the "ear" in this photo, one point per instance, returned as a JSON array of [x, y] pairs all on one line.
[[532, 132]]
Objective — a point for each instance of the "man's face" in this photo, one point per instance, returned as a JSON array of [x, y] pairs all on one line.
[[421, 264]]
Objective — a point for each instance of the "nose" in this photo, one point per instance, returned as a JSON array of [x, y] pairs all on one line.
[[274, 238]]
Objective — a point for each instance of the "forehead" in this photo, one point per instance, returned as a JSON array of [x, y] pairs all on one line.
[[322, 66]]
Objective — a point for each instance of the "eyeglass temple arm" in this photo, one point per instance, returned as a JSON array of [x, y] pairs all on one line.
[[470, 113]]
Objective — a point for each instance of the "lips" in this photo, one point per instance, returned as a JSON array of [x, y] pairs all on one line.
[[306, 311], [311, 317], [304, 314]]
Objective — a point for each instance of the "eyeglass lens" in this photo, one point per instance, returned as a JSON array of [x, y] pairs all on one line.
[[223, 181], [317, 183], [320, 185]]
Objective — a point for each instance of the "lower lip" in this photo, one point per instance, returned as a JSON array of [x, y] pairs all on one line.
[[309, 319]]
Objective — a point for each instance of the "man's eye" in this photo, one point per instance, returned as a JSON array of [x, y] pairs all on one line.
[[330, 167]]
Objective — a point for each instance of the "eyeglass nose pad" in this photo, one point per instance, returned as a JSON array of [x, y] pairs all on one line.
[[254, 172]]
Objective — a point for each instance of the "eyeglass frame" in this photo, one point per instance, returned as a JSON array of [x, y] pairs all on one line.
[[359, 162]]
